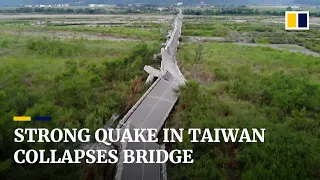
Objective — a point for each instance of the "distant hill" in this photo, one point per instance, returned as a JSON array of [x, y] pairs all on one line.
[[270, 1]]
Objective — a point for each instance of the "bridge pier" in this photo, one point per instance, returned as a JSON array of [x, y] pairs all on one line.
[[153, 73]]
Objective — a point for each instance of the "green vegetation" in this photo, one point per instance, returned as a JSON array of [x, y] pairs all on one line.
[[215, 2], [241, 11], [147, 28], [252, 30], [84, 10], [51, 68], [138, 33], [314, 2], [233, 86], [79, 83]]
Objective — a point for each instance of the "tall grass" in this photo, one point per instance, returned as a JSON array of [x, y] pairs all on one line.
[[250, 87], [79, 83], [251, 29]]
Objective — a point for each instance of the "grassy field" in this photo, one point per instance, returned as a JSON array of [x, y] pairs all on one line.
[[260, 8], [147, 27], [117, 32], [81, 83], [278, 9], [233, 86], [78, 82], [85, 10], [258, 29], [247, 11]]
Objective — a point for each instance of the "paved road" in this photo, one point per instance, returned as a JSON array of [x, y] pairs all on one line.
[[153, 108]]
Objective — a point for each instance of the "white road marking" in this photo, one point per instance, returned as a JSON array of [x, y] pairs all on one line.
[[155, 105], [159, 98]]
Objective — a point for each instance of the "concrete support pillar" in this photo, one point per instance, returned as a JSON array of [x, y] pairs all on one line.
[[150, 79], [152, 73]]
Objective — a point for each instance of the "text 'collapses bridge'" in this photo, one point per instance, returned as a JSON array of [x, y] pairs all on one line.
[[152, 110]]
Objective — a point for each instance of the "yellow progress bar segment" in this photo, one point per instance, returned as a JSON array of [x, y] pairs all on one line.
[[22, 118], [292, 20]]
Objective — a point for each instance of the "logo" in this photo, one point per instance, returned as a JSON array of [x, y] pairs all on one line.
[[297, 20], [28, 118]]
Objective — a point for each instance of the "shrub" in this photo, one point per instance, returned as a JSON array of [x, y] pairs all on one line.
[[280, 91], [55, 48]]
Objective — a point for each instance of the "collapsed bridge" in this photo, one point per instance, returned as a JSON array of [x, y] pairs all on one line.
[[152, 110]]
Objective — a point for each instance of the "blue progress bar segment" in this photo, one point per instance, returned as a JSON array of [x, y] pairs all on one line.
[[42, 118]]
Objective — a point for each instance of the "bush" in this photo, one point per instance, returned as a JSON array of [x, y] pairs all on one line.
[[55, 48], [75, 91], [280, 91]]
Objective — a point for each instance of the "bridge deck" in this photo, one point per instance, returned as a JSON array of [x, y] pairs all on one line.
[[142, 171], [154, 109]]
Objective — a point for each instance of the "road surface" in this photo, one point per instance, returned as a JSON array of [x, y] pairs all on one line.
[[152, 110]]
